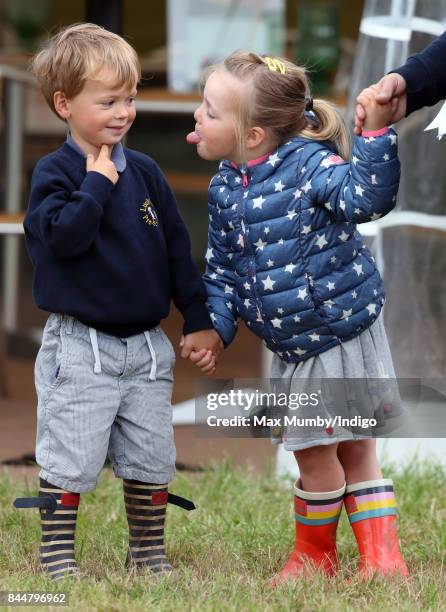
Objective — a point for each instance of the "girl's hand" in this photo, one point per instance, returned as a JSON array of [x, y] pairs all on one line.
[[205, 360], [377, 114], [391, 88]]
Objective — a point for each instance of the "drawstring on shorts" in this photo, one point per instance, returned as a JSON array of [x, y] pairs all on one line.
[[97, 359], [94, 345], [152, 375]]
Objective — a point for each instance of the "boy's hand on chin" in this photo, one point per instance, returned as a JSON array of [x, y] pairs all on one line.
[[103, 164]]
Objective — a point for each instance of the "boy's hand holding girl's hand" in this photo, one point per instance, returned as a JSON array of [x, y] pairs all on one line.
[[203, 348], [103, 164], [377, 114]]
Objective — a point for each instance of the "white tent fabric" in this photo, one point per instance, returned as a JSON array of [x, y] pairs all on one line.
[[412, 248]]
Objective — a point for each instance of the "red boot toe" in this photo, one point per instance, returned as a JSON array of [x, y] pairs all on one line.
[[317, 517]]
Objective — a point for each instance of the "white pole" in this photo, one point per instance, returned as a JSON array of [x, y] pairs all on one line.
[[14, 123]]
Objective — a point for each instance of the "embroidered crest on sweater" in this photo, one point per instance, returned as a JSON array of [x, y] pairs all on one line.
[[149, 213]]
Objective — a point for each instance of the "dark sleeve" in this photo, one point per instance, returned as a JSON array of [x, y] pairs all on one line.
[[425, 76], [188, 290], [65, 220]]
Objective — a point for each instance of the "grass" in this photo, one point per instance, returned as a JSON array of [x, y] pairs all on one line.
[[225, 551]]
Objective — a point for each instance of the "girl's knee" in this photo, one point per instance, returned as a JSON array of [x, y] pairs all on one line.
[[357, 450], [316, 456]]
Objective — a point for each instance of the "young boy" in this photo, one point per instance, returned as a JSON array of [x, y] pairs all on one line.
[[109, 250]]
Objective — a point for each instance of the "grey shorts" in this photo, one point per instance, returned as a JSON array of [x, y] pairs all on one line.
[[98, 395]]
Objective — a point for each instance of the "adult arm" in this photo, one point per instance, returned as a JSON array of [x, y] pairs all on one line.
[[420, 82], [425, 76]]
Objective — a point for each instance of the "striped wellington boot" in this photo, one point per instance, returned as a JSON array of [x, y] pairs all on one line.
[[58, 514], [145, 505], [58, 529], [317, 517], [371, 509]]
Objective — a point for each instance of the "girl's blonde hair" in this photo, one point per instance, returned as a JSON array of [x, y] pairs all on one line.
[[279, 99], [78, 53]]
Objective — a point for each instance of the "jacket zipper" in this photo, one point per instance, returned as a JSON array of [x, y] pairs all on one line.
[[247, 247]]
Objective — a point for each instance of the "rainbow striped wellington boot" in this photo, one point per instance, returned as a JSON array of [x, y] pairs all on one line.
[[145, 505], [317, 517], [58, 515], [371, 509]]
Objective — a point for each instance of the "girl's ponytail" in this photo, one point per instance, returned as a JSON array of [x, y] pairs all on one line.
[[329, 126]]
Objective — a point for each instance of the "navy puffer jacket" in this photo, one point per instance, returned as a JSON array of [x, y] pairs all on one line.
[[283, 250]]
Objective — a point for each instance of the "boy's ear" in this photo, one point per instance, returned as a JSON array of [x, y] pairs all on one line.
[[61, 105], [255, 137]]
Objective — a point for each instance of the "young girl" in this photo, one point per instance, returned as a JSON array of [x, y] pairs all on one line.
[[285, 255]]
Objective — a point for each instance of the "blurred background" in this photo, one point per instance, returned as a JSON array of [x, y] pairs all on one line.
[[345, 45]]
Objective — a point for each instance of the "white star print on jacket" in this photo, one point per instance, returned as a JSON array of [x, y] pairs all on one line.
[[287, 243]]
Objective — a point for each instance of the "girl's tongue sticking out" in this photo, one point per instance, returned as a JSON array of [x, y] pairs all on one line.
[[193, 138]]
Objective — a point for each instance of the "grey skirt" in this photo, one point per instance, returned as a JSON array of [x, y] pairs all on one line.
[[347, 393]]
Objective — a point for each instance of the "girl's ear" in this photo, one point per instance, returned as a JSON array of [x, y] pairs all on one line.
[[255, 137], [61, 105]]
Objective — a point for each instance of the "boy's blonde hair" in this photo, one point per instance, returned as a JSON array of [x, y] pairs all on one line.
[[78, 53], [278, 102]]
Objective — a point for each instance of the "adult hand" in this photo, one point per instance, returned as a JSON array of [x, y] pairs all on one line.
[[391, 88], [103, 164]]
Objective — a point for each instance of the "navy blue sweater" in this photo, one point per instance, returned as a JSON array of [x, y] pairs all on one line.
[[425, 76], [110, 255]]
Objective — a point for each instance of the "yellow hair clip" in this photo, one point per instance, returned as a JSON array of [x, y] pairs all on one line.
[[275, 65]]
